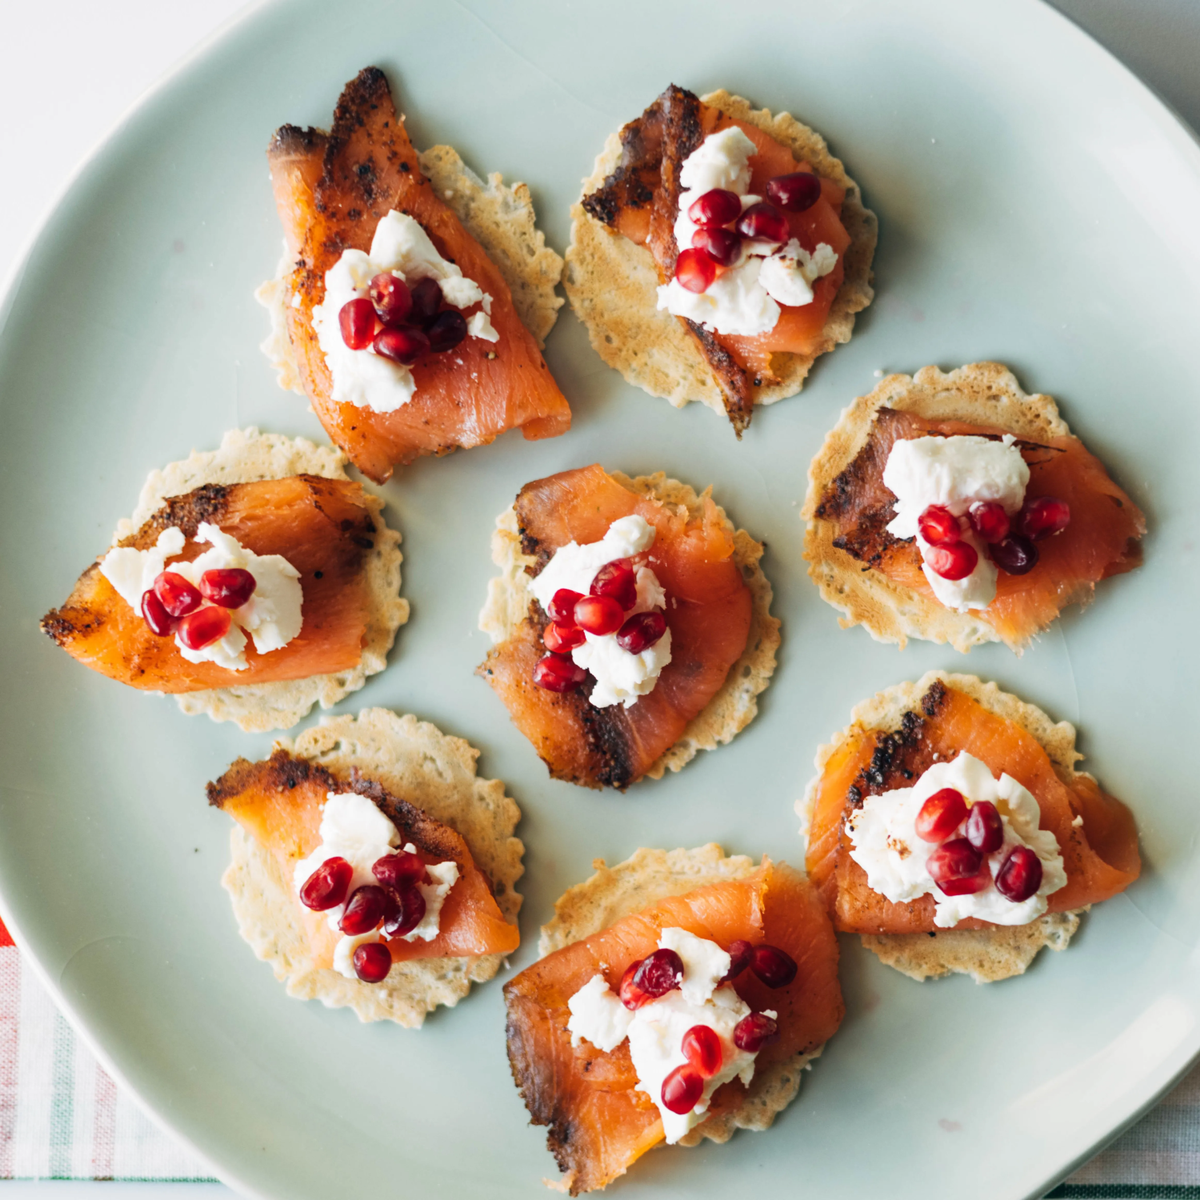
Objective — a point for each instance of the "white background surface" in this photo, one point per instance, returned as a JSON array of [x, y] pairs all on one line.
[[70, 69]]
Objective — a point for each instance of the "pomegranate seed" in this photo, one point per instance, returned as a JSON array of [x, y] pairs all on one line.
[[654, 976], [985, 829], [179, 596], [557, 673], [702, 1048], [764, 222], [1020, 876], [562, 606], [989, 520], [391, 299], [717, 207], [682, 1089], [357, 321], [740, 953], [617, 581], [753, 1032], [405, 911], [203, 627], [723, 246], [939, 526], [399, 870], [599, 614], [1016, 555], [426, 301], [941, 815], [403, 345], [641, 631], [372, 962], [326, 887], [695, 270], [956, 868], [155, 615], [364, 910], [446, 330], [773, 966], [228, 587], [1044, 517], [562, 639], [795, 192], [955, 561], [631, 995]]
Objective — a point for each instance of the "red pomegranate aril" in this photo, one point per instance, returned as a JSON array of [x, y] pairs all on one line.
[[1016, 555], [562, 606], [562, 639], [753, 1032], [682, 1089], [795, 192], [955, 867], [641, 631], [716, 207], [955, 561], [357, 322], [426, 301], [651, 977], [740, 953], [723, 246], [617, 581], [404, 345], [599, 614], [228, 587], [390, 298], [372, 962], [326, 887], [179, 596], [1020, 876], [203, 627], [775, 967], [985, 829], [446, 330], [764, 222], [695, 269], [155, 614], [1044, 517], [989, 520], [406, 911], [939, 526], [702, 1048], [402, 869], [557, 673], [632, 996], [364, 910], [941, 815]]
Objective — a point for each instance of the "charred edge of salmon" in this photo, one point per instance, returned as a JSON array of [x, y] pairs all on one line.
[[731, 376], [541, 1104], [63, 625], [632, 183], [292, 141]]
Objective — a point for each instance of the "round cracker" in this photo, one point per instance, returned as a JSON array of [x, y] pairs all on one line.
[[414, 760], [243, 457], [612, 282], [987, 955], [735, 704], [647, 877], [983, 393]]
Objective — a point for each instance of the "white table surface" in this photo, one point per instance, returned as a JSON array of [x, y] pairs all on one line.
[[70, 69]]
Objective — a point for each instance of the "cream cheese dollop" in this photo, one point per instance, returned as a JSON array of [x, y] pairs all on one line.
[[884, 842]]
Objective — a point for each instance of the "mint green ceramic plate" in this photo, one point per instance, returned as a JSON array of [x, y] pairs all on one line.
[[1037, 206]]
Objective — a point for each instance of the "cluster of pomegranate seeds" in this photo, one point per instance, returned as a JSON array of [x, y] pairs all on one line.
[[173, 604], [650, 977], [754, 1031], [399, 322]]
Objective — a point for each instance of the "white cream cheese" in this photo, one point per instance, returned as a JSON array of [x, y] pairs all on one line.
[[885, 844], [272, 616], [955, 472], [620, 677], [401, 246]]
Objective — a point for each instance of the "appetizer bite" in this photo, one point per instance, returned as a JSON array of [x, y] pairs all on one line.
[[948, 826], [412, 298], [252, 582], [632, 624], [371, 867], [680, 997], [957, 508], [717, 251]]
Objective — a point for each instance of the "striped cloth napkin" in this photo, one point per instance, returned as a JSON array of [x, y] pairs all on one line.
[[62, 1117]]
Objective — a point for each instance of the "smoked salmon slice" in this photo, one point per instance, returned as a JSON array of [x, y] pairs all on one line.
[[599, 1125], [1100, 853], [640, 201], [1102, 539], [323, 527], [331, 191], [278, 803], [708, 613]]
